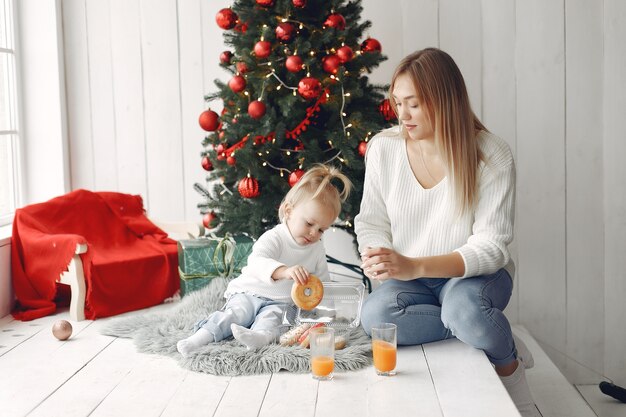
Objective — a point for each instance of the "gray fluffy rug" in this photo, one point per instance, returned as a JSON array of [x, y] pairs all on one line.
[[159, 332]]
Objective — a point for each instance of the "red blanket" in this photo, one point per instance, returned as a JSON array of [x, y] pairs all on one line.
[[130, 263]]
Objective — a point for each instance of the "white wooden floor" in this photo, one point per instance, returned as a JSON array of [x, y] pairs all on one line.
[[96, 375]]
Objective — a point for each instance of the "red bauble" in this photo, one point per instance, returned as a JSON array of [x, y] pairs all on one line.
[[371, 45], [362, 148], [262, 49], [265, 3], [299, 3], [225, 57], [285, 31], [207, 164], [295, 176], [256, 109], [309, 88], [345, 54], [208, 219], [241, 27], [336, 21], [331, 64], [231, 161], [220, 150], [293, 63], [226, 18], [209, 120], [385, 109], [248, 187], [237, 83], [242, 67]]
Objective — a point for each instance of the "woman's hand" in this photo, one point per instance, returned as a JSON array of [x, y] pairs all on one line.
[[297, 273], [384, 263]]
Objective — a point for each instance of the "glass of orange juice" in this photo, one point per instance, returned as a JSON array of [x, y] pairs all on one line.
[[322, 352], [384, 348]]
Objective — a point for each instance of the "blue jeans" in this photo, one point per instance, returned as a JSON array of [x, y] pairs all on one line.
[[257, 313], [430, 309]]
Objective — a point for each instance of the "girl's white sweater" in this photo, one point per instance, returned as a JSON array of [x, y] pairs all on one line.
[[397, 212]]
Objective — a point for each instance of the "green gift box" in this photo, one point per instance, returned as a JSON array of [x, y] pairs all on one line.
[[203, 259]]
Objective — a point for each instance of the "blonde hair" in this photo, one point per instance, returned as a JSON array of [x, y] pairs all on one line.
[[441, 90], [316, 183]]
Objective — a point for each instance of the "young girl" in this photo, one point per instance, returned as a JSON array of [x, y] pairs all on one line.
[[436, 220], [289, 252]]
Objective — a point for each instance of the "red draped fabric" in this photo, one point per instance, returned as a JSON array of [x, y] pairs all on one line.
[[130, 263]]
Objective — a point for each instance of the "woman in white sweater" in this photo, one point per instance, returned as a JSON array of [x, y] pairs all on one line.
[[436, 219]]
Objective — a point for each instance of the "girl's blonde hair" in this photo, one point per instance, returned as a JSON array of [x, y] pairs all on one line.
[[441, 91], [317, 183]]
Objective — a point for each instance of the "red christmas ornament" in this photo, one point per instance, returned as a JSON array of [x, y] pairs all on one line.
[[345, 54], [231, 161], [241, 27], [293, 63], [371, 45], [209, 120], [225, 57], [248, 187], [336, 21], [331, 63], [385, 109], [265, 3], [295, 176], [309, 88], [262, 49], [256, 109], [221, 151], [226, 18], [362, 148], [299, 3], [208, 219], [242, 67], [207, 164], [237, 83], [285, 31]]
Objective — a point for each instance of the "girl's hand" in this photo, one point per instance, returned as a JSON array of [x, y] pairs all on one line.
[[383, 264], [297, 273]]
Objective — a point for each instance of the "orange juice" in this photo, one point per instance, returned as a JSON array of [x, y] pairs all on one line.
[[384, 355], [322, 365]]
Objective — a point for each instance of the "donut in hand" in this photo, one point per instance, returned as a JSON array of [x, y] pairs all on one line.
[[309, 295]]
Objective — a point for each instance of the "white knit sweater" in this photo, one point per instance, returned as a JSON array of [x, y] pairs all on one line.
[[397, 212], [273, 249]]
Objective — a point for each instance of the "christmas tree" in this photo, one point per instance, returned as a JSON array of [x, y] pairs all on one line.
[[299, 95]]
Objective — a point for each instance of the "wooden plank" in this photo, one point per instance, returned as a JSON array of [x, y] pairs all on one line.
[[128, 97], [254, 388], [460, 35], [78, 98], [198, 395], [292, 395], [102, 112], [81, 394], [614, 185], [15, 332], [145, 391], [498, 95], [466, 383], [602, 405], [585, 217], [161, 88], [420, 25], [540, 73], [212, 47], [192, 101], [553, 394], [363, 393], [42, 364], [388, 32]]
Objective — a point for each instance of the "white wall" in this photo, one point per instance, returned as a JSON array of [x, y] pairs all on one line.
[[546, 75]]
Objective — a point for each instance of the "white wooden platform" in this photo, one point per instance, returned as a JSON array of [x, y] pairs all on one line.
[[96, 375]]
